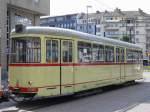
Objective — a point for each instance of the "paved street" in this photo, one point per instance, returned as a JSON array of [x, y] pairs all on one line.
[[133, 98]]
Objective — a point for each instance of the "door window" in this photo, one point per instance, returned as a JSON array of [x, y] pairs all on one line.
[[67, 51], [52, 51]]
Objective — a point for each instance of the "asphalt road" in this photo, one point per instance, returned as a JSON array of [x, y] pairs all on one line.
[[131, 98]]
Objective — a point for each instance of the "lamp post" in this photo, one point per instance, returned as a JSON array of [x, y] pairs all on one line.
[[87, 26]]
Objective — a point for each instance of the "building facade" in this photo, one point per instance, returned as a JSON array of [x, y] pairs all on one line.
[[14, 12], [132, 24], [117, 24], [65, 21]]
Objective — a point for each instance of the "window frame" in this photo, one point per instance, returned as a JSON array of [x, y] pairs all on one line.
[[62, 49], [100, 47], [51, 39], [129, 51], [136, 58], [110, 46], [26, 39], [84, 43]]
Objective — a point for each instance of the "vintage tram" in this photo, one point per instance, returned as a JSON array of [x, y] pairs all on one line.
[[49, 61]]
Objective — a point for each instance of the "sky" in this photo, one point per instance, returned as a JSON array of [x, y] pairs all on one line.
[[62, 7]]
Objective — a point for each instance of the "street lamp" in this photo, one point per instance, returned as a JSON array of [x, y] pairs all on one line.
[[87, 26]]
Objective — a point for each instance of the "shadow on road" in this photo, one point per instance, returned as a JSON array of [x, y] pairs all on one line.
[[47, 102]]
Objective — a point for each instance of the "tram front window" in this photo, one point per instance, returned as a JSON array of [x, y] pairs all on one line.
[[26, 50]]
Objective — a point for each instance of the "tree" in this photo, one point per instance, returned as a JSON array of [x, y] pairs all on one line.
[[126, 38]]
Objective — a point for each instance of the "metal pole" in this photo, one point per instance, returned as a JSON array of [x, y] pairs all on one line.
[[87, 26], [87, 21], [49, 7]]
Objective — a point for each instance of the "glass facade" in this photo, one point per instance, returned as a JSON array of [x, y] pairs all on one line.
[[23, 20]]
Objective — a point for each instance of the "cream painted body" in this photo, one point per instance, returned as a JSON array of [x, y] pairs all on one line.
[[62, 80]]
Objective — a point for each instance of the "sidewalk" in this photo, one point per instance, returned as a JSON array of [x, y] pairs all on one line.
[[143, 106]]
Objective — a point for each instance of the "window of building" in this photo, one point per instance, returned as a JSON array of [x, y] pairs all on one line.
[[98, 29], [137, 40], [27, 50], [67, 51], [52, 51], [84, 52], [65, 25], [116, 25], [137, 32], [22, 20], [109, 54], [80, 28], [60, 19], [62, 25], [90, 27], [98, 21]]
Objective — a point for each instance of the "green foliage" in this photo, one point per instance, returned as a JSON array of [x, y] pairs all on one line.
[[126, 38]]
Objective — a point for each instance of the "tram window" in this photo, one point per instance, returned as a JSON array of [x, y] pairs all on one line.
[[52, 51], [132, 56], [117, 55], [26, 50], [109, 52], [139, 57], [84, 52], [98, 52], [136, 56], [67, 51], [129, 55], [122, 54]]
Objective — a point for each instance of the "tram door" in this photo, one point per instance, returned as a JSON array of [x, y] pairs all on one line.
[[67, 71], [122, 64], [120, 60]]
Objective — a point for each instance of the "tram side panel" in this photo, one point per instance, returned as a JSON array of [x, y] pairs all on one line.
[[133, 65], [44, 81], [133, 71], [92, 76], [116, 74]]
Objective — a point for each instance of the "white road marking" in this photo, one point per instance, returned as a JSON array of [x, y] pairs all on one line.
[[13, 108]]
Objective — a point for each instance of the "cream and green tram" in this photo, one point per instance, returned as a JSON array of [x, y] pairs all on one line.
[[49, 61]]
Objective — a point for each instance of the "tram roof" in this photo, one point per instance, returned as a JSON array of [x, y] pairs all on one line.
[[77, 34]]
